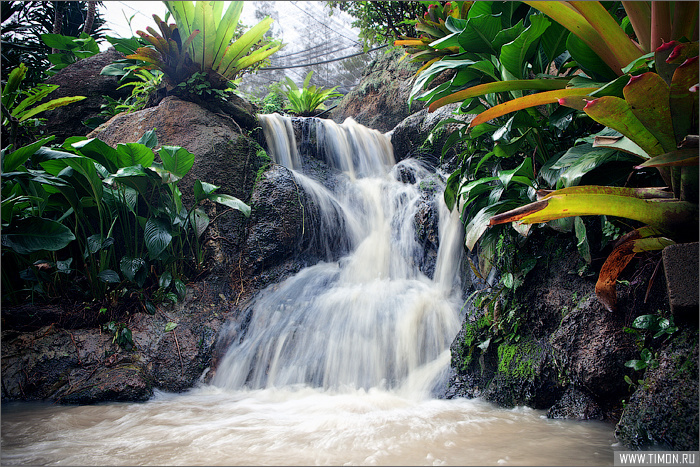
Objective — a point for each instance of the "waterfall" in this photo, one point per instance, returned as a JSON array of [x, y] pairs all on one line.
[[371, 319]]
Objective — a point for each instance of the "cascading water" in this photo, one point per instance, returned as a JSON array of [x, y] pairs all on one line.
[[337, 364], [372, 318]]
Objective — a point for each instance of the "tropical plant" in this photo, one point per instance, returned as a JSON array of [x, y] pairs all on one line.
[[73, 49], [91, 211], [547, 52], [308, 99], [433, 27], [657, 121], [17, 109], [202, 40]]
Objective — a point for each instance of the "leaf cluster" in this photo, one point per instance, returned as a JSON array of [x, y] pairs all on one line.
[[309, 98], [204, 41]]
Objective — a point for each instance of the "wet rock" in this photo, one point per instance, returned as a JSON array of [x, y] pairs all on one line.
[[380, 101], [86, 366], [426, 222], [663, 411], [126, 382], [82, 78], [576, 404], [592, 348], [417, 135]]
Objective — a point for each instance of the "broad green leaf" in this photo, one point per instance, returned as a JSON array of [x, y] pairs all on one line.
[[9, 91], [176, 159], [199, 221], [631, 203], [588, 59], [165, 279], [134, 154], [149, 139], [99, 151], [157, 236], [241, 47], [180, 288], [505, 36], [202, 46], [479, 34], [109, 276], [32, 234], [170, 326], [554, 41], [684, 103], [583, 158], [532, 100], [232, 202], [582, 244], [11, 161], [480, 222], [225, 31], [53, 104], [134, 269], [610, 33], [202, 190], [58, 41], [617, 114], [515, 54], [678, 158]]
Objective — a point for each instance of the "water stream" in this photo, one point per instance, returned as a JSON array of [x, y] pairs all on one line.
[[340, 364]]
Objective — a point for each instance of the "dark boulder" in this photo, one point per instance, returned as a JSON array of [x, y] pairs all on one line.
[[418, 135], [576, 404], [82, 78], [663, 411]]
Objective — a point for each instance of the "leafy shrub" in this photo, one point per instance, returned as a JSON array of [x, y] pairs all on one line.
[[308, 99], [501, 52], [111, 219]]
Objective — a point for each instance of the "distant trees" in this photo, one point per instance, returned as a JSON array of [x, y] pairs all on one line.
[[381, 22]]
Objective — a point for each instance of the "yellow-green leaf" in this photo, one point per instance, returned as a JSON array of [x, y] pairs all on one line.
[[532, 100], [499, 86]]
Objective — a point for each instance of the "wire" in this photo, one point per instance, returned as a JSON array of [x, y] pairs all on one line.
[[270, 68], [323, 24]]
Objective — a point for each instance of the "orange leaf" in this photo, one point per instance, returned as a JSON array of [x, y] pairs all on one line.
[[532, 100]]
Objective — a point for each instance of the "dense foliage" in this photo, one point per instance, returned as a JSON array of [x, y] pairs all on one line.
[[87, 222], [23, 24], [543, 79]]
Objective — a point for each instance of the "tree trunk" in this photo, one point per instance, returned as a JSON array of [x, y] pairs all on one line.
[[57, 21], [90, 18]]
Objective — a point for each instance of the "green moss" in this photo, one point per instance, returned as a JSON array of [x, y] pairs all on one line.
[[474, 334], [264, 161], [518, 360]]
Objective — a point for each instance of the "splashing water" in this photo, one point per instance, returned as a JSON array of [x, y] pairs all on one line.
[[372, 318]]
